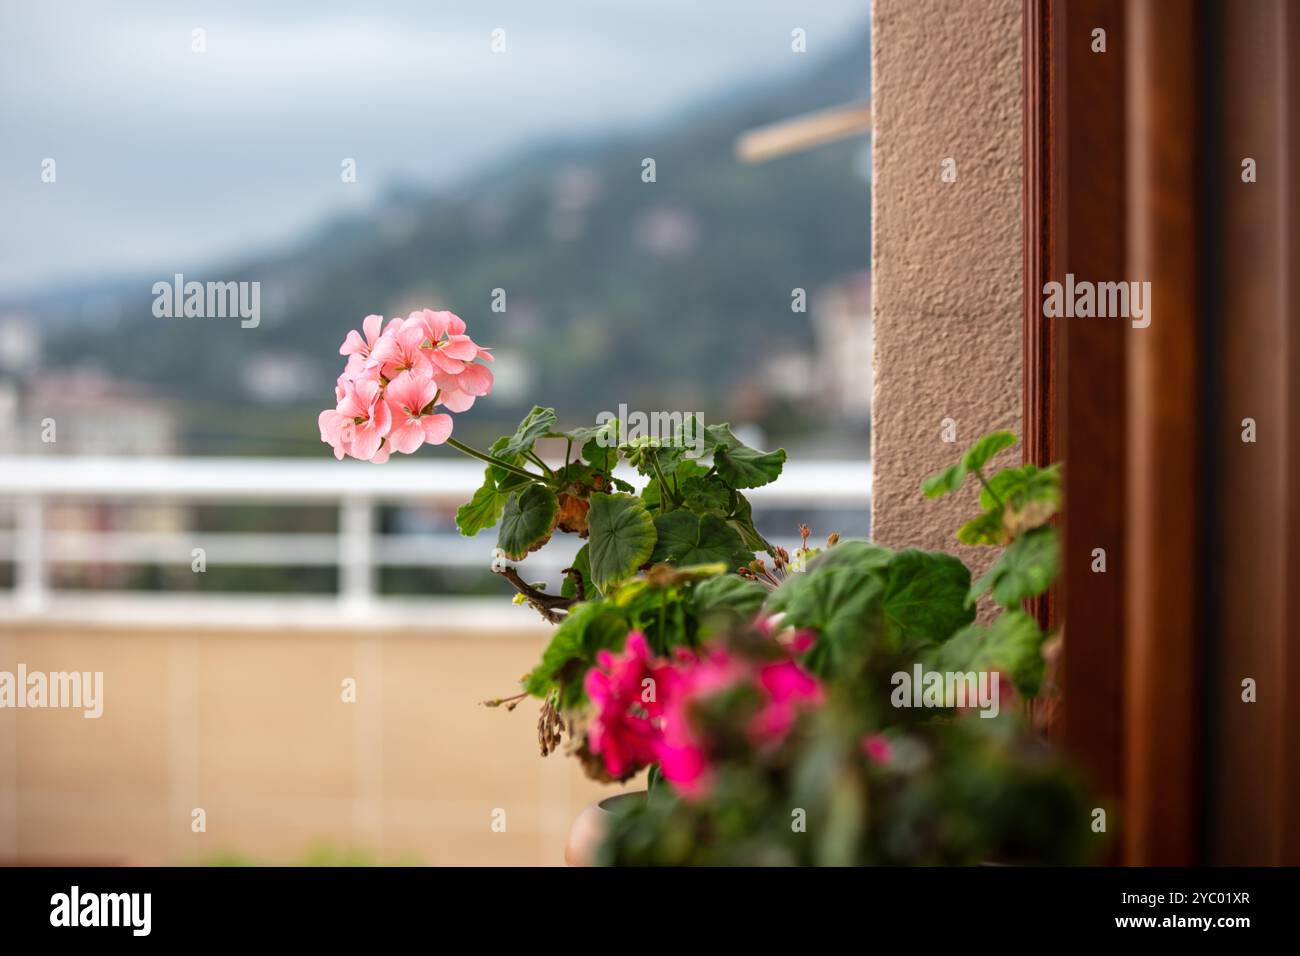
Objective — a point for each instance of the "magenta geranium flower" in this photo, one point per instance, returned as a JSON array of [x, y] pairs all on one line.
[[630, 731], [627, 693], [789, 689], [878, 749]]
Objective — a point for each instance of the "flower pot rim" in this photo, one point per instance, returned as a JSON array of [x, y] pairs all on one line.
[[621, 802]]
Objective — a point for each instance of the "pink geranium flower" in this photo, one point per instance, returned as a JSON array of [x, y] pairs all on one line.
[[400, 351], [394, 374], [408, 397], [358, 425], [452, 357], [358, 347], [438, 325]]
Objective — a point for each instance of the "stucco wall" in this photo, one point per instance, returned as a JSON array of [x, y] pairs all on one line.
[[946, 256]]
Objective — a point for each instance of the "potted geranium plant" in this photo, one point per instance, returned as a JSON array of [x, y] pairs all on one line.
[[762, 691]]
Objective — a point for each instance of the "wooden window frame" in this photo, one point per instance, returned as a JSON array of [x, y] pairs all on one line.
[[1131, 172]]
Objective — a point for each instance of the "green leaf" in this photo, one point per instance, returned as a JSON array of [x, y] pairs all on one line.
[[744, 467], [925, 598], [699, 495], [1022, 486], [527, 521], [703, 495], [481, 511], [591, 626], [986, 529], [1030, 497], [581, 434], [742, 520], [1026, 569], [599, 445], [727, 600], [718, 436], [601, 457], [731, 594], [1014, 644], [975, 458], [943, 482], [863, 598], [575, 473], [840, 603], [622, 538], [536, 424], [684, 537], [739, 465], [855, 553], [980, 453], [582, 563], [505, 480]]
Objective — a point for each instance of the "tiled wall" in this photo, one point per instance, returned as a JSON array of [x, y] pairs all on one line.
[[250, 726]]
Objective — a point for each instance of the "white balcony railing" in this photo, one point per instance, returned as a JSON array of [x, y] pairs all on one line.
[[28, 485]]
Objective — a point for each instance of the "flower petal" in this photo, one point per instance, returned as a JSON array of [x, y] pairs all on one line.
[[437, 428]]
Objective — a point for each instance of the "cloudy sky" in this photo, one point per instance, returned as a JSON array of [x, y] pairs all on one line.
[[162, 151]]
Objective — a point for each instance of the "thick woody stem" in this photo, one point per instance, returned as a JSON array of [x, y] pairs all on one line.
[[579, 588], [546, 604]]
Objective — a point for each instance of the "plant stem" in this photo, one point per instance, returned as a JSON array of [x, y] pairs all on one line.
[[546, 604], [989, 488], [668, 492], [532, 456], [481, 456]]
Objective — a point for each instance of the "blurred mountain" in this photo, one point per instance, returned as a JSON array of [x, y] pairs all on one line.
[[674, 294]]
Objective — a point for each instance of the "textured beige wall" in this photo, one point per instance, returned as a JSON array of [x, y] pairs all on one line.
[[946, 256]]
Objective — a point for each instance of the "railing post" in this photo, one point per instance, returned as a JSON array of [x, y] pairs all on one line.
[[29, 556], [356, 555]]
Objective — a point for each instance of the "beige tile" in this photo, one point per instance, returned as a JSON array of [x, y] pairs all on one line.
[[271, 719], [124, 751], [250, 726]]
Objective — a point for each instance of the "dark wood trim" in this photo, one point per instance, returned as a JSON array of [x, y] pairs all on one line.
[[1039, 243], [1039, 405], [1132, 172], [1164, 517], [1290, 575], [1255, 777], [1074, 371]]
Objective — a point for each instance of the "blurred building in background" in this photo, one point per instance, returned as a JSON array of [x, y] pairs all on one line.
[[841, 319]]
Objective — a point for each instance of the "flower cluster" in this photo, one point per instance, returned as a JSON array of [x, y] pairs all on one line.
[[396, 376], [645, 708]]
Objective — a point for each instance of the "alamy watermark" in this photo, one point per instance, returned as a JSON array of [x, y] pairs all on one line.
[[1102, 300], [75, 908], [666, 429], [74, 690], [208, 300], [922, 688]]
